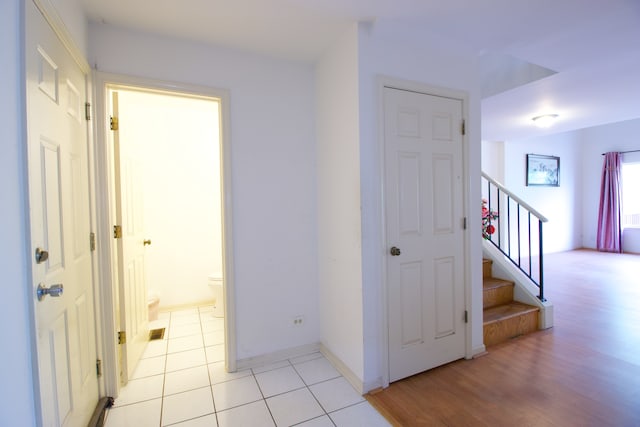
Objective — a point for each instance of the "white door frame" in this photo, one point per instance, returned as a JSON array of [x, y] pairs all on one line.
[[105, 224], [390, 82]]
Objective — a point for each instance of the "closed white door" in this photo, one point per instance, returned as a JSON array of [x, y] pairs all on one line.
[[424, 211], [60, 227], [133, 309]]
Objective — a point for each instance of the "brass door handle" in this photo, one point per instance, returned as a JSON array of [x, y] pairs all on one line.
[[146, 242], [395, 251]]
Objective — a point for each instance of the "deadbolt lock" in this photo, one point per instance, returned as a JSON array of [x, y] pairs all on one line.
[[41, 255]]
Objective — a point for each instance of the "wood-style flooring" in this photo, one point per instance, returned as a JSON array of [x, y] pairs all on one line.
[[585, 371]]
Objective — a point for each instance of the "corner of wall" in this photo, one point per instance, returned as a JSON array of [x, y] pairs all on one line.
[[356, 382], [339, 203]]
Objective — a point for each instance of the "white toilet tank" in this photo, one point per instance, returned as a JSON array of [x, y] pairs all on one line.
[[216, 286]]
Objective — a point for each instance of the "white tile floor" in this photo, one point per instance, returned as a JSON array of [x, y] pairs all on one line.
[[181, 381]]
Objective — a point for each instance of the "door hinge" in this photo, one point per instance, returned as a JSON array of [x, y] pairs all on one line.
[[122, 337], [87, 111], [113, 123], [92, 241], [464, 127], [99, 367], [466, 316], [464, 223], [117, 231]]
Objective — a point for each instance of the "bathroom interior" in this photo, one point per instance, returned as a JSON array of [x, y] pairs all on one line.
[[179, 136], [182, 377]]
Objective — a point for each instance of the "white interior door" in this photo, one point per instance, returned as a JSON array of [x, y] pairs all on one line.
[[60, 225], [424, 209], [132, 290]]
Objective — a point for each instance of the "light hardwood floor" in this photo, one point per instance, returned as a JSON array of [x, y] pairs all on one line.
[[585, 371]]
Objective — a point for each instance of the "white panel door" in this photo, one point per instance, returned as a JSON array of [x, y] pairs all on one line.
[[132, 290], [424, 210], [60, 225]]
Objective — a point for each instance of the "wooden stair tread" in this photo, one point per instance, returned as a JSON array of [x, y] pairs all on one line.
[[503, 317], [507, 311], [493, 283]]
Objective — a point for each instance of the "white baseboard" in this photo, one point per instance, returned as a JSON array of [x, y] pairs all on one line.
[[367, 387], [267, 359], [347, 373], [481, 349], [186, 306], [360, 386]]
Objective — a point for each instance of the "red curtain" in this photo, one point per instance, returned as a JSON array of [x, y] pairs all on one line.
[[609, 237]]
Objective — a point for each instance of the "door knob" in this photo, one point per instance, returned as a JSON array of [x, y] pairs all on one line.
[[395, 251], [41, 255], [54, 291], [146, 242]]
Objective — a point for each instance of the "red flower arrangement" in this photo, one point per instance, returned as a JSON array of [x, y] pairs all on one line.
[[487, 216]]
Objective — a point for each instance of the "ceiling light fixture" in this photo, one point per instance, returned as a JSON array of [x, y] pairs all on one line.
[[545, 120]]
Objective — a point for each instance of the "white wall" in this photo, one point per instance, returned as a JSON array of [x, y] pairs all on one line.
[[16, 393], [338, 183], [493, 160], [181, 187], [273, 170], [621, 136], [349, 192], [349, 183], [572, 208], [560, 205], [71, 13], [388, 50]]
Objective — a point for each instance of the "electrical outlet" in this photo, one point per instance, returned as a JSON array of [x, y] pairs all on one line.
[[298, 320]]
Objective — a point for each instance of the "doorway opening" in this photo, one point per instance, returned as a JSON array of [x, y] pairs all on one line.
[[166, 166]]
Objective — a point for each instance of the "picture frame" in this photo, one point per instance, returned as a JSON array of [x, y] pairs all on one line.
[[543, 171]]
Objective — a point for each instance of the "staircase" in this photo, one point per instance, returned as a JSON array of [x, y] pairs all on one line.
[[504, 318], [518, 230]]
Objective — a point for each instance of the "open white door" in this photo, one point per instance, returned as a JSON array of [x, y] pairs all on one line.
[[60, 227], [424, 209], [132, 291]]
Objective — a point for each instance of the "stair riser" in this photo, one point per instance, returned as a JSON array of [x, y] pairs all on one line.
[[503, 330], [486, 268], [497, 296]]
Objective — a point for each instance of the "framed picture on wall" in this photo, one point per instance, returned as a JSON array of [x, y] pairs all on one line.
[[543, 170]]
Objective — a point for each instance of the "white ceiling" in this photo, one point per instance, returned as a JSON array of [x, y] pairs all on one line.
[[593, 45]]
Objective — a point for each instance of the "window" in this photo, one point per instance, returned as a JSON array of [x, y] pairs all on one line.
[[630, 177]]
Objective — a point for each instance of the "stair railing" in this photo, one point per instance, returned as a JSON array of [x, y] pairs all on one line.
[[518, 231]]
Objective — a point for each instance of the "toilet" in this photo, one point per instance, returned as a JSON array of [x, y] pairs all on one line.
[[216, 286], [153, 302]]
